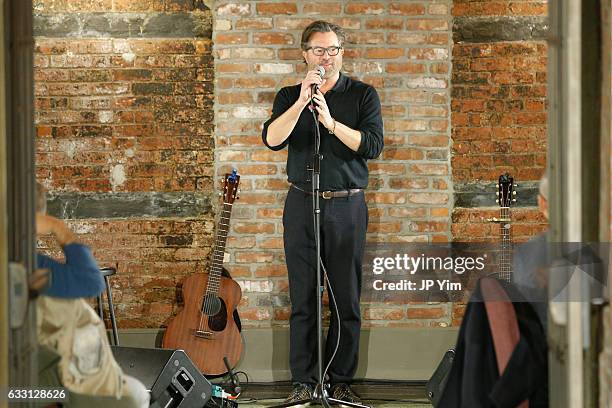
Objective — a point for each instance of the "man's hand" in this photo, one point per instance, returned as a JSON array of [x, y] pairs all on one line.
[[323, 111], [312, 77], [46, 224]]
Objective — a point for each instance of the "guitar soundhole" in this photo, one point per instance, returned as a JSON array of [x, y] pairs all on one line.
[[211, 305], [218, 321]]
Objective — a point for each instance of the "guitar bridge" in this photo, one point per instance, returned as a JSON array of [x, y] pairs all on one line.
[[204, 334]]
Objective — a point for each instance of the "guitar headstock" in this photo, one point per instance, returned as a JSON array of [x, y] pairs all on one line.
[[506, 195], [230, 187]]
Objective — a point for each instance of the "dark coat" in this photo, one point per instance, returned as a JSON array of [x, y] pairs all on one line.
[[474, 381]]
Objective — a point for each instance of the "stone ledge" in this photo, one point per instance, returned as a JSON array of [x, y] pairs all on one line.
[[127, 205], [124, 25], [499, 28], [470, 195]]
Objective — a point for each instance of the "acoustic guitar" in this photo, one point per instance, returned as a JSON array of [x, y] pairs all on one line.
[[206, 328], [506, 196]]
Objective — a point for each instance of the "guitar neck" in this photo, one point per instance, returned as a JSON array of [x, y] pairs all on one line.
[[216, 266], [505, 232]]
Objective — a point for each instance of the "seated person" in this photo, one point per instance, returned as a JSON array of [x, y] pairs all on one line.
[[69, 326]]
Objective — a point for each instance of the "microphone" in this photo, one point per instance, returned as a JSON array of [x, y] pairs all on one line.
[[314, 87], [321, 72]]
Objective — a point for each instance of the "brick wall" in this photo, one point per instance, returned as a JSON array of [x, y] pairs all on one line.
[[403, 49], [498, 113], [138, 113], [124, 110]]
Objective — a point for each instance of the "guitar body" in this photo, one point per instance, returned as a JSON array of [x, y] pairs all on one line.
[[207, 338]]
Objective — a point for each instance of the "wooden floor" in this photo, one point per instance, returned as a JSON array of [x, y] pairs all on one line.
[[374, 394]]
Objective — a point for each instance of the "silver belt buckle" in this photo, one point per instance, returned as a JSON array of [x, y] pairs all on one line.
[[326, 195]]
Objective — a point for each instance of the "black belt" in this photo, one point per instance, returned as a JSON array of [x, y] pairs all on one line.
[[327, 195]]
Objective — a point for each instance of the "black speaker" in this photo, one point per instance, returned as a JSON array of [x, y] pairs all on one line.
[[170, 376]]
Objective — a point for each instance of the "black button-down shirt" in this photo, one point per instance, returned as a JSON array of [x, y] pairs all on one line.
[[352, 103]]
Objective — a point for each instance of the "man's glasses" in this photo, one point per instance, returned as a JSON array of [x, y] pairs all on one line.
[[320, 51]]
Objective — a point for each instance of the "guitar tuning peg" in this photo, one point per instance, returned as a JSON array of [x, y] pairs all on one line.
[[514, 200], [219, 194], [514, 193], [497, 186], [516, 185], [497, 201], [497, 193]]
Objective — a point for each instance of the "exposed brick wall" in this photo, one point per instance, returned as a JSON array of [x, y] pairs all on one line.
[[138, 113], [124, 110], [403, 49], [498, 119], [498, 112]]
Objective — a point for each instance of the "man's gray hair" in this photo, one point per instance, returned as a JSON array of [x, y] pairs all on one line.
[[41, 198], [543, 186]]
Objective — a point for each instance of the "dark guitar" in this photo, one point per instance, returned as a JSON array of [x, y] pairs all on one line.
[[505, 197], [205, 329]]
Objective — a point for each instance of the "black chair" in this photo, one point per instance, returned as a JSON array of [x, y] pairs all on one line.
[[107, 273]]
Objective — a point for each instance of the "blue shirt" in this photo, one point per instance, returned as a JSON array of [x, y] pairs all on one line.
[[78, 277]]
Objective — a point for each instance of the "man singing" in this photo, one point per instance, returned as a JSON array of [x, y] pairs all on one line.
[[350, 124]]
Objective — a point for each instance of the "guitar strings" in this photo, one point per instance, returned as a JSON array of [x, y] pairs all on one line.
[[213, 279], [207, 307], [506, 253]]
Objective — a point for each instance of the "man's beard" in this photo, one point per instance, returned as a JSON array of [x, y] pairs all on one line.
[[329, 72]]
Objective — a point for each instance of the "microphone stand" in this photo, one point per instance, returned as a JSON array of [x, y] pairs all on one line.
[[320, 393]]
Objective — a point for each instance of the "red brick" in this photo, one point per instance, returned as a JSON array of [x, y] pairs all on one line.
[[254, 24], [405, 68], [364, 8], [386, 168], [407, 38], [402, 154], [254, 257], [384, 227], [408, 183], [386, 198], [271, 184], [427, 25], [384, 53], [427, 198], [407, 9], [253, 228], [322, 8], [272, 39], [233, 38], [269, 156], [255, 83], [529, 9], [136, 5], [386, 23], [276, 8]]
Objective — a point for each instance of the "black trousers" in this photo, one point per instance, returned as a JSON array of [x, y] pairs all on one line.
[[343, 228]]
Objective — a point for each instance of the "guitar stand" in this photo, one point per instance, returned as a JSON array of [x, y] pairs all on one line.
[[320, 393]]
